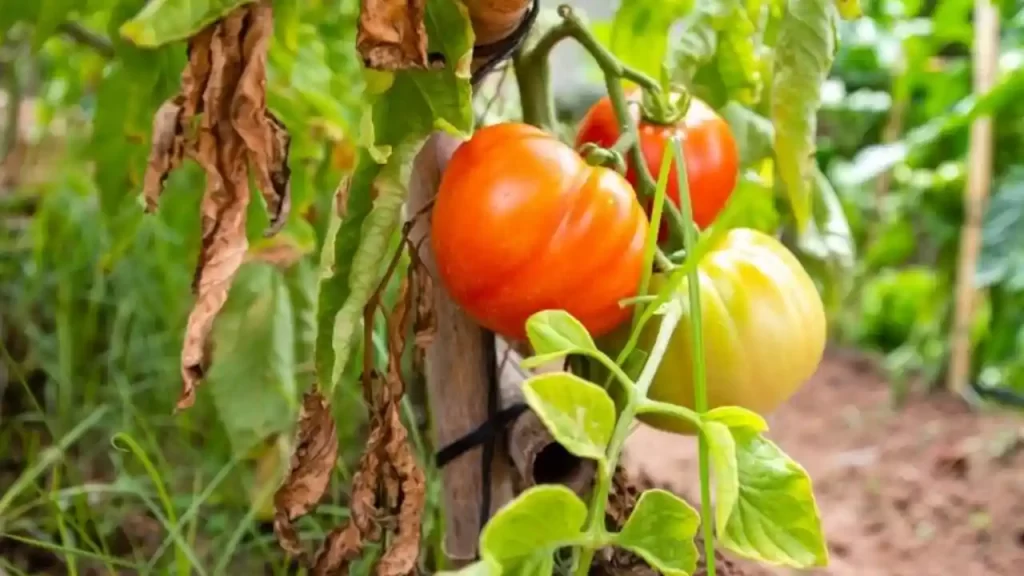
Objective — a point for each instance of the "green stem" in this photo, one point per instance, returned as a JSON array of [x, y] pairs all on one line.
[[533, 76], [700, 400], [595, 523]]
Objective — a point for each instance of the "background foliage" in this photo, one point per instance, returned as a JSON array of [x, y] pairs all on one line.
[[93, 294]]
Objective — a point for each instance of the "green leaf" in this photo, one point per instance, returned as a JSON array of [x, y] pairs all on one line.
[[360, 251], [542, 518], [828, 236], [301, 282], [722, 449], [639, 32], [556, 332], [872, 161], [1002, 246], [804, 53], [253, 380], [736, 417], [716, 53], [421, 101], [164, 21], [580, 415], [753, 133], [775, 519], [661, 530]]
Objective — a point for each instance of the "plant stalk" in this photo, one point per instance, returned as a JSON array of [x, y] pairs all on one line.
[[595, 522], [700, 401]]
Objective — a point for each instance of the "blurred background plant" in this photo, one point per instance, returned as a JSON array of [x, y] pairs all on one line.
[[96, 470]]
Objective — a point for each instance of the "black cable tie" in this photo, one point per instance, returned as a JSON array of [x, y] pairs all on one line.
[[484, 432]]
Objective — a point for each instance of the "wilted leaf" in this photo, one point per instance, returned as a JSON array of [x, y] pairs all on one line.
[[266, 139], [392, 35], [220, 120], [804, 51], [163, 21], [389, 481], [166, 150], [316, 451]]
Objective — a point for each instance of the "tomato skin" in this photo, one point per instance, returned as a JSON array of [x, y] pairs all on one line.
[[522, 224], [763, 324], [709, 149]]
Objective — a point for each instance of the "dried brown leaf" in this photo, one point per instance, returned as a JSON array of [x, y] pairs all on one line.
[[389, 488], [425, 320], [265, 137], [316, 452], [166, 150], [401, 557], [392, 35], [220, 120], [341, 547]]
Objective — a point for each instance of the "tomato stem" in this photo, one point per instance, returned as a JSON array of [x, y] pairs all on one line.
[[598, 156], [533, 76], [624, 425], [700, 401]]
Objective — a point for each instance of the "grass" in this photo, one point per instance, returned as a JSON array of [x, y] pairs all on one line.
[[91, 455]]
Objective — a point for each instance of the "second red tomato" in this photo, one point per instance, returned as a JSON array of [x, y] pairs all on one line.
[[712, 159]]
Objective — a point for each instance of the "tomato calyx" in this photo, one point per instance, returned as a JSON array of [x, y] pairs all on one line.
[[664, 108]]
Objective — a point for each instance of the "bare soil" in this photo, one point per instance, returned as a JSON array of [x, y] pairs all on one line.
[[934, 488]]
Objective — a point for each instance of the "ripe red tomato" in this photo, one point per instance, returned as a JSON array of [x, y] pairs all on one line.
[[709, 150], [522, 224]]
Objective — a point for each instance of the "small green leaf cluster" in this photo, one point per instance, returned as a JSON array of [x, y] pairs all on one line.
[[764, 510]]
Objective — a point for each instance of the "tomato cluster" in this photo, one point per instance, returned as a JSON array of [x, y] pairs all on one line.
[[522, 223]]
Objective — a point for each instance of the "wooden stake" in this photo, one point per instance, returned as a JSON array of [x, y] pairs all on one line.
[[537, 457], [979, 180], [457, 378]]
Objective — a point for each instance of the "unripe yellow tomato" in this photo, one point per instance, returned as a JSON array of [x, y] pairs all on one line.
[[763, 325]]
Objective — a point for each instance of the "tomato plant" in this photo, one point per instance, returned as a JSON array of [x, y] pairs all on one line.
[[522, 224], [763, 330], [712, 158], [532, 239]]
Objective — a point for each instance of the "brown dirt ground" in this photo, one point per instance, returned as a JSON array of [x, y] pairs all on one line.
[[932, 489]]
